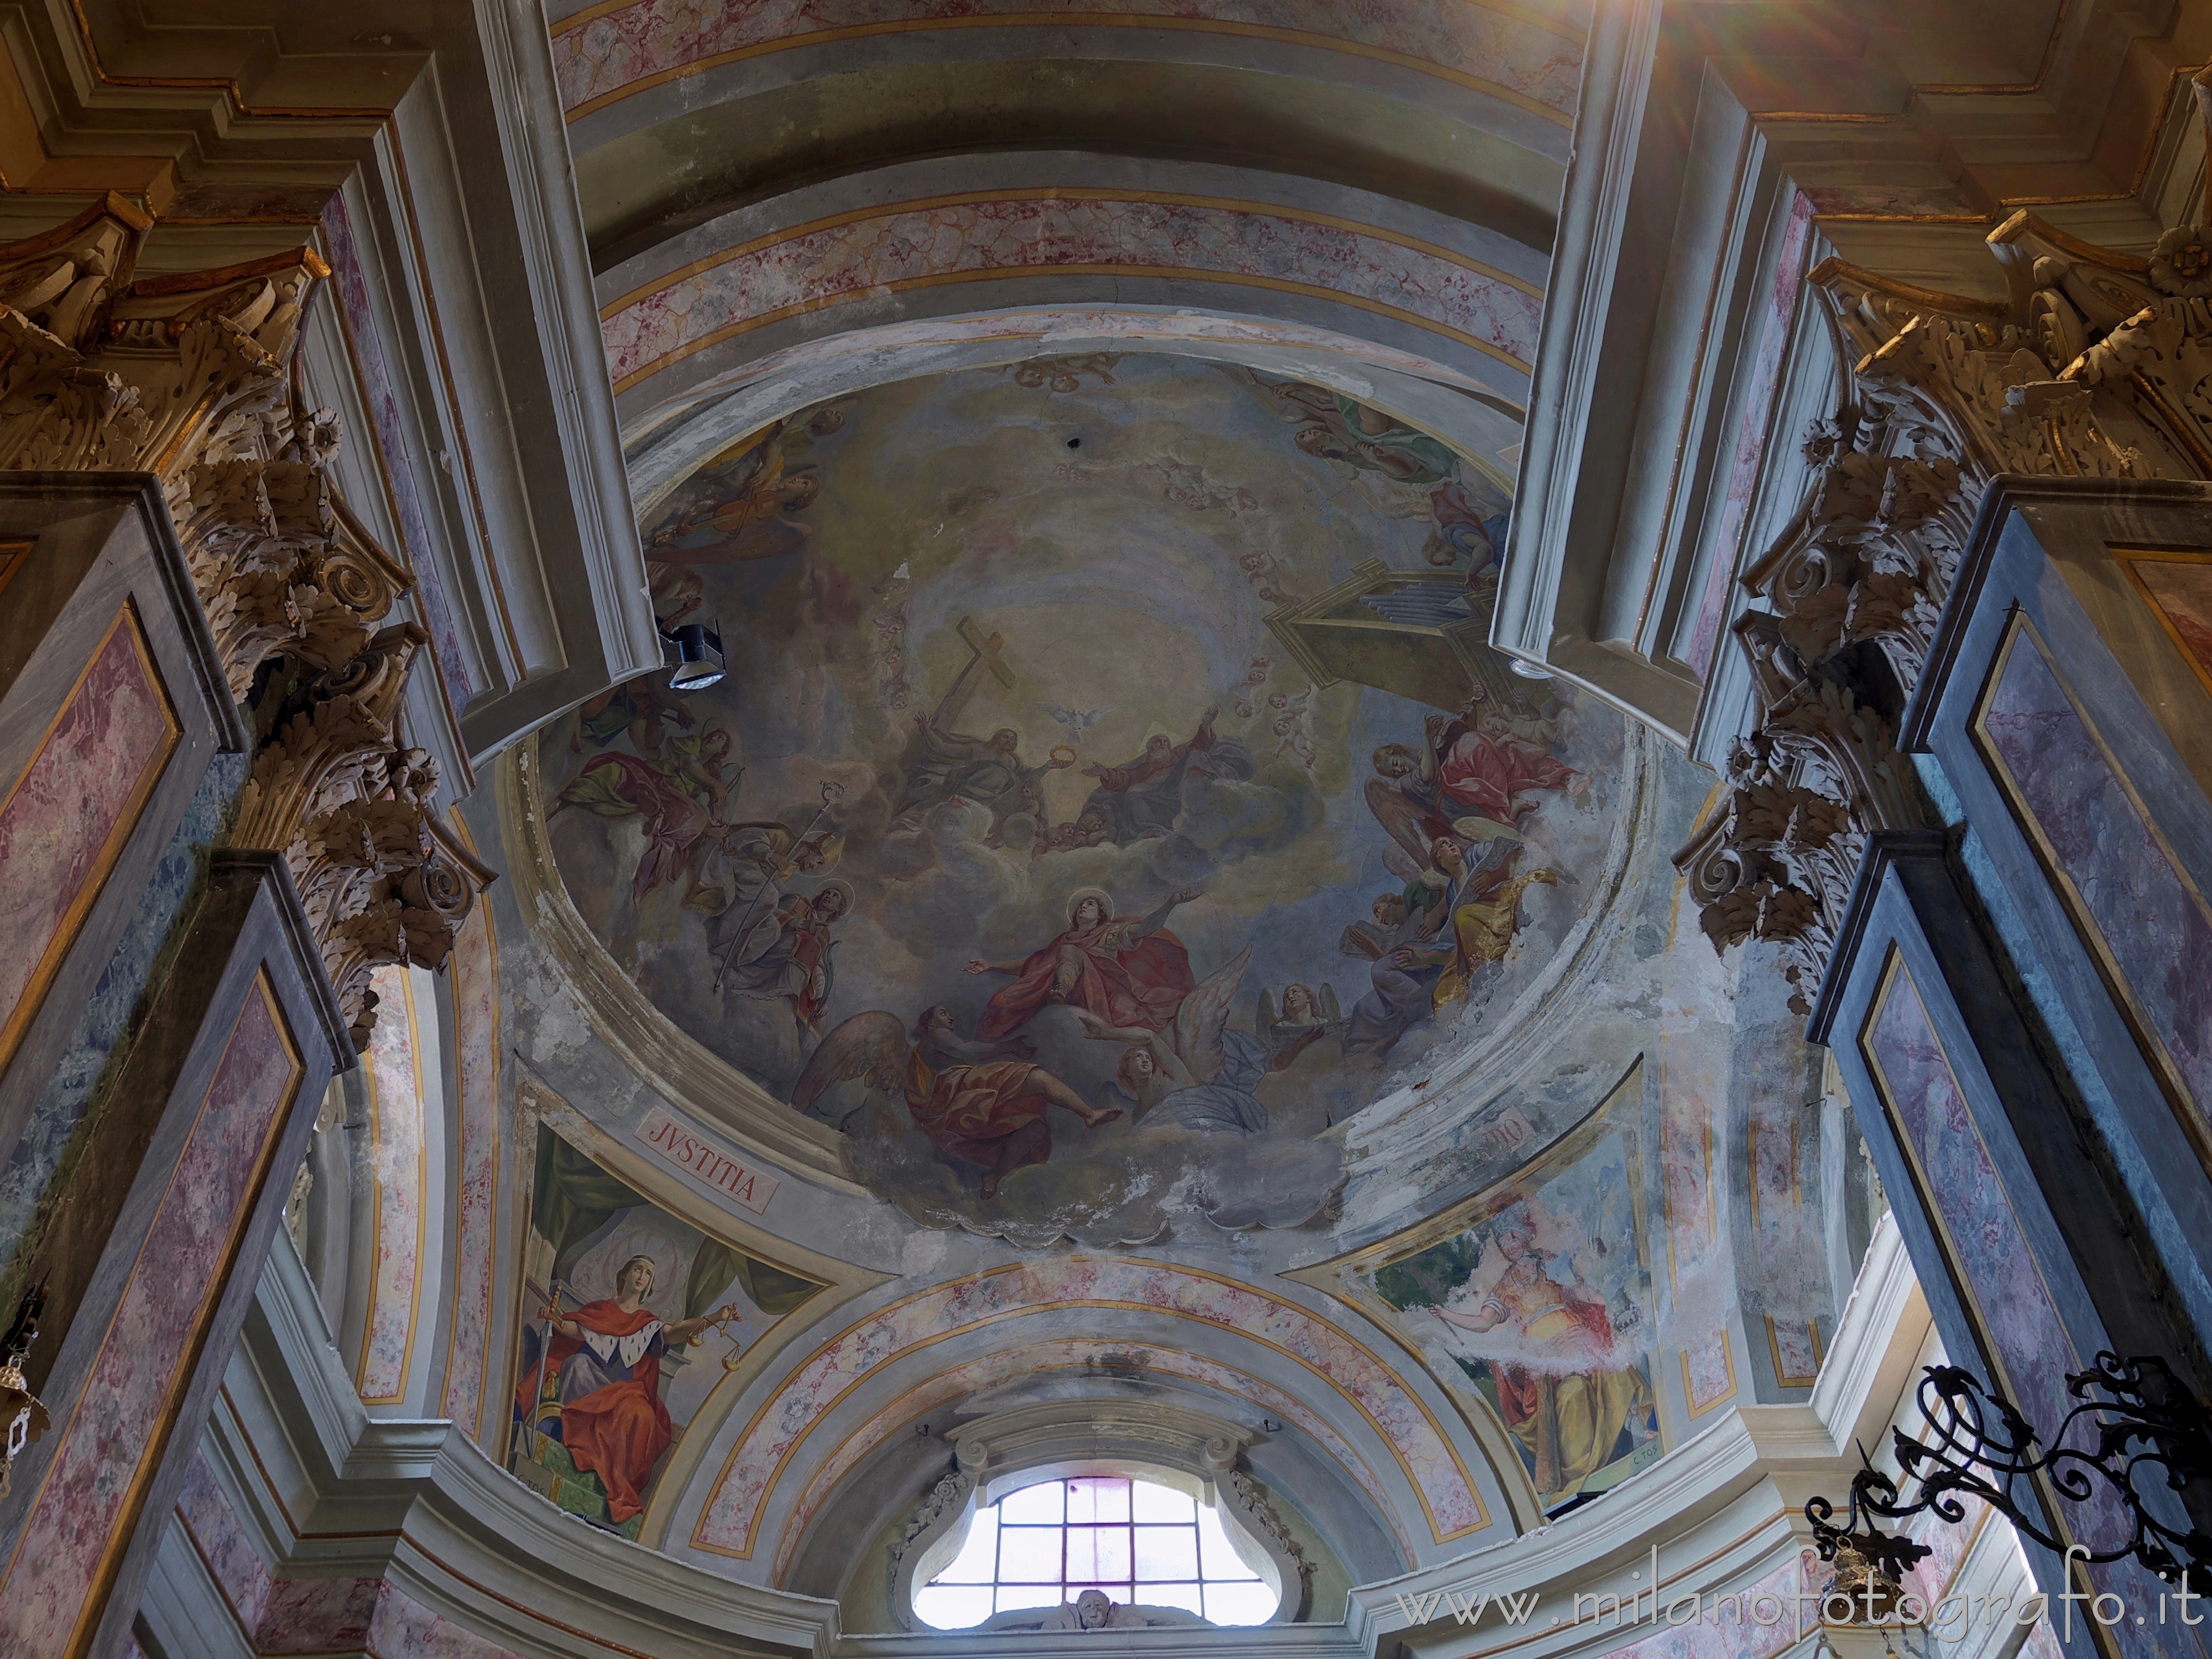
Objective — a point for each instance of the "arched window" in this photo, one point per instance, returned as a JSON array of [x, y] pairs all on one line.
[[1137, 1540]]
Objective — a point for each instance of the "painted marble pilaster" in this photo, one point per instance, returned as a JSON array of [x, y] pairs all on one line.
[[1531, 56], [54, 1587], [1774, 336], [2143, 917], [1964, 1200], [474, 966], [60, 1113], [398, 1156], [729, 1525], [394, 453], [902, 245], [212, 1527], [993, 1370], [66, 815], [1962, 1191]]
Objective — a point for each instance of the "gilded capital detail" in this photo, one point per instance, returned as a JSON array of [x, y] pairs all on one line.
[[2094, 366], [197, 378]]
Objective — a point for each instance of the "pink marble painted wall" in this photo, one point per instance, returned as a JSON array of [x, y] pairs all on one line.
[[904, 245], [1708, 1373], [1532, 55], [66, 816], [397, 1160], [405, 1629], [767, 1444], [474, 967], [54, 1587], [319, 1616], [990, 1371]]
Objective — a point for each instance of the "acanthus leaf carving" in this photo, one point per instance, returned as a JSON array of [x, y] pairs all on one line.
[[197, 378], [2098, 365]]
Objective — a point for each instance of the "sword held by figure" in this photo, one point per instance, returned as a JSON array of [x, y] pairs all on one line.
[[552, 1314]]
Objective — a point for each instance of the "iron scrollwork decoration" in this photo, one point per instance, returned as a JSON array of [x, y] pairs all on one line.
[[2147, 1429], [22, 1416]]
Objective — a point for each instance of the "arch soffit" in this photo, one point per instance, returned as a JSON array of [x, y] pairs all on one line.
[[932, 237], [1425, 1453], [1198, 1374]]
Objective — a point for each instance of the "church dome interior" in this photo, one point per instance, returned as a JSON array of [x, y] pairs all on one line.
[[880, 828]]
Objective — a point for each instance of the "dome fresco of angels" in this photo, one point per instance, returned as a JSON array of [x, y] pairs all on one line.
[[1112, 791]]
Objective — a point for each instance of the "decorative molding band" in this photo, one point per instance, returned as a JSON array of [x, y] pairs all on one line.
[[606, 54], [1428, 1454], [196, 378], [986, 235]]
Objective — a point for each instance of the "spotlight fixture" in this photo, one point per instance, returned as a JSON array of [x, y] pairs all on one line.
[[695, 657]]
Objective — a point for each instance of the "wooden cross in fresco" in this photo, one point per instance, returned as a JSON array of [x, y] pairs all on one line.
[[983, 652]]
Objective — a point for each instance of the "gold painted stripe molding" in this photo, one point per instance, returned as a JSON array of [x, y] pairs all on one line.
[[1063, 193], [681, 274], [1092, 19], [1314, 290]]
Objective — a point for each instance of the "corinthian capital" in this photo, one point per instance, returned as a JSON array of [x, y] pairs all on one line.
[[197, 378]]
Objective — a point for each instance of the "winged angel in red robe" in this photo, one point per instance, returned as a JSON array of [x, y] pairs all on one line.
[[983, 1103]]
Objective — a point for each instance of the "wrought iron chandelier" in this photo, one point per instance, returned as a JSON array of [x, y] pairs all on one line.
[[2143, 1430]]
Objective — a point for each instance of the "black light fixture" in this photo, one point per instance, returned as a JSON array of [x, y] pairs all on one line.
[[695, 656]]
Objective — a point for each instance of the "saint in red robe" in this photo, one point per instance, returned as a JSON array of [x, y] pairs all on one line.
[[612, 1421], [1125, 980], [1486, 775]]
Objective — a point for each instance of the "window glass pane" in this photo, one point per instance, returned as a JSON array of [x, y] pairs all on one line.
[[1239, 1604], [1185, 1596], [1166, 1552], [1099, 1498], [978, 1560], [1159, 1503], [1028, 1555], [1098, 1553], [953, 1609], [1050, 1542], [1041, 1504], [1216, 1553]]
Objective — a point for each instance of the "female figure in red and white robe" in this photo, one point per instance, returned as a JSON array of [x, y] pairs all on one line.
[[606, 1355]]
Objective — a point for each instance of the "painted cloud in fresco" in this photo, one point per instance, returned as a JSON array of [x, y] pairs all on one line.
[[1111, 792]]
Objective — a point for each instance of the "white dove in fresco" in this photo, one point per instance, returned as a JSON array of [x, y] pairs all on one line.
[[1077, 724]]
